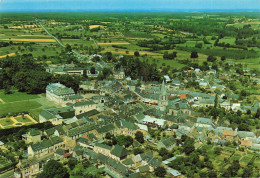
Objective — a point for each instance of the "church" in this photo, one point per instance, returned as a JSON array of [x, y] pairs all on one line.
[[163, 99]]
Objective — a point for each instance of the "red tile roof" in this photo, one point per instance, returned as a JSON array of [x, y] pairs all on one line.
[[183, 96], [67, 155]]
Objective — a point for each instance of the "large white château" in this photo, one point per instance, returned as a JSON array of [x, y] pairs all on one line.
[[57, 92]]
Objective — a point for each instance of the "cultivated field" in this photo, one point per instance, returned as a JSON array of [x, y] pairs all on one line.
[[30, 40]]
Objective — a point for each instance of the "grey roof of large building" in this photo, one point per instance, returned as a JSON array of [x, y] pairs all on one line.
[[84, 103], [46, 143], [103, 146], [59, 89], [62, 112]]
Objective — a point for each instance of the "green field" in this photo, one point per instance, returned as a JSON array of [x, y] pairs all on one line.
[[6, 122], [18, 107], [23, 119], [16, 96]]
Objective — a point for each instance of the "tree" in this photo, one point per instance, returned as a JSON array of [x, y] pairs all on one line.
[[223, 58], [136, 53], [139, 136], [243, 93], [212, 174], [217, 150], [194, 54], [53, 168], [211, 58], [234, 168], [160, 171], [106, 72], [138, 151], [257, 115], [243, 127], [93, 70], [72, 163], [188, 146], [124, 140], [68, 48], [77, 171], [248, 171], [216, 101], [108, 56], [70, 81], [198, 45], [163, 152], [108, 135]]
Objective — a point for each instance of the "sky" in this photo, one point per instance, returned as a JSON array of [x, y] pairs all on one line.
[[127, 5]]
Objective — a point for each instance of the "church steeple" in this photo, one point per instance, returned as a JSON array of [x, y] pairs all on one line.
[[163, 100], [163, 90]]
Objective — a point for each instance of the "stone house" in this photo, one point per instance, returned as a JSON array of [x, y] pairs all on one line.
[[126, 128], [45, 147], [115, 169], [56, 115], [101, 131], [118, 153], [28, 168], [33, 136], [102, 149], [84, 106]]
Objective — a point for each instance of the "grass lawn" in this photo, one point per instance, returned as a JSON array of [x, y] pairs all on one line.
[[6, 122], [16, 96], [245, 160], [19, 106], [236, 156], [23, 119], [257, 162], [35, 113]]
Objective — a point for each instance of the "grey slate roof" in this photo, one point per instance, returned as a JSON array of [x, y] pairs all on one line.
[[119, 151], [34, 132], [84, 103], [59, 89], [103, 146]]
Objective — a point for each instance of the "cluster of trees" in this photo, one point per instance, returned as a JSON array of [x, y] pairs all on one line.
[[158, 44], [166, 55], [122, 140], [232, 170], [139, 136], [4, 44], [191, 164], [26, 75], [244, 122], [211, 58], [106, 72], [165, 154], [137, 69], [23, 73]]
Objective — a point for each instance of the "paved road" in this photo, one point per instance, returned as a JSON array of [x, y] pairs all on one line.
[[94, 42], [59, 42]]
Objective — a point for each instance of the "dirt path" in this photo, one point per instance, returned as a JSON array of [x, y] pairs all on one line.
[[29, 117], [2, 101], [10, 54]]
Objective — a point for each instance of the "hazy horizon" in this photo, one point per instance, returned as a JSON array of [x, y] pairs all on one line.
[[127, 5]]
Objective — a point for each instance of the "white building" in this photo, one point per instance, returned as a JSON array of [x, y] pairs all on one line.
[[57, 92]]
